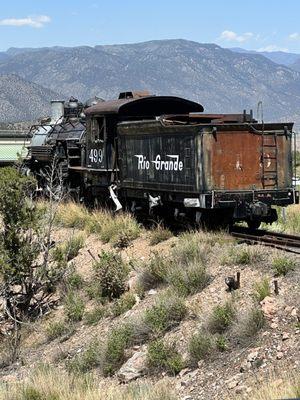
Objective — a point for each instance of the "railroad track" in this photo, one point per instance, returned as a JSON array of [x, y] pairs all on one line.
[[282, 241]]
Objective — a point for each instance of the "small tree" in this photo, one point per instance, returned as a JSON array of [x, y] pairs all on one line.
[[27, 280]]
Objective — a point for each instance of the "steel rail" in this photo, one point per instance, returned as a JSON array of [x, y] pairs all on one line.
[[282, 241]]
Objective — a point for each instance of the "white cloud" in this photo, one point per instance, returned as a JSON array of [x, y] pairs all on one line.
[[35, 22], [273, 47], [231, 36], [294, 36]]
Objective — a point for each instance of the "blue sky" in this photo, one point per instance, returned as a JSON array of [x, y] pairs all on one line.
[[259, 25]]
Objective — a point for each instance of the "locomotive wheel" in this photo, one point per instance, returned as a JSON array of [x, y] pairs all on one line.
[[253, 224]]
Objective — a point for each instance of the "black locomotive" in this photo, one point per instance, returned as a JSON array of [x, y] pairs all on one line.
[[162, 154]]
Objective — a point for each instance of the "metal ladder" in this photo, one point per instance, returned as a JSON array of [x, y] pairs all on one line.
[[269, 154]]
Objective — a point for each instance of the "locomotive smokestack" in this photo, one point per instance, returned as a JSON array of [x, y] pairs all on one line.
[[57, 110]]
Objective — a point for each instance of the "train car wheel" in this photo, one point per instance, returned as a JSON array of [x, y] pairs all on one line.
[[253, 225]]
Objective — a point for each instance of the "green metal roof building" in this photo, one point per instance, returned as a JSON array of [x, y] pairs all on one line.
[[12, 146]]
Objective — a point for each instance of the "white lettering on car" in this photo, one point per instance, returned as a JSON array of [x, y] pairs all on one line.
[[173, 164]]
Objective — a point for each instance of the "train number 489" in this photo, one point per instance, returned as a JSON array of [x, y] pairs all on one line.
[[96, 155]]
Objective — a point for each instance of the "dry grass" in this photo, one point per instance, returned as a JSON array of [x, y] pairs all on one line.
[[242, 254], [72, 215], [159, 234], [289, 224], [117, 229], [286, 386], [248, 325], [120, 230], [261, 289], [49, 384]]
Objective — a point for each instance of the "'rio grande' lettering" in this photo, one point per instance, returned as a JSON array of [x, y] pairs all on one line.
[[173, 164]]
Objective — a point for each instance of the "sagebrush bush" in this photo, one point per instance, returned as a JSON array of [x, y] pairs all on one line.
[[190, 248], [222, 317], [282, 265], [242, 255], [114, 355], [74, 307], [166, 313], [74, 281], [123, 304], [200, 347], [111, 273], [56, 329], [189, 279], [164, 357], [159, 234], [154, 272], [249, 324], [94, 316], [261, 289], [90, 358]]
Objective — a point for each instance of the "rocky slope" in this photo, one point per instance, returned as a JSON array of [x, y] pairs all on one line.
[[220, 79], [242, 360], [21, 100]]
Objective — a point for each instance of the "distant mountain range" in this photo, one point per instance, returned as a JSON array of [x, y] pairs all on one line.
[[278, 57], [21, 100], [222, 80]]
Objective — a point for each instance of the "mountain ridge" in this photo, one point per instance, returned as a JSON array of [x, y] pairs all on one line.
[[220, 79]]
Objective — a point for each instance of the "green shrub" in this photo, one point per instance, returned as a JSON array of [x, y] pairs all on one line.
[[58, 328], [118, 340], [75, 281], [200, 347], [68, 250], [90, 358], [94, 316], [221, 318], [73, 245], [32, 393], [282, 265], [154, 272], [74, 307], [111, 273], [221, 343], [123, 304], [189, 279], [159, 234], [165, 357], [167, 312], [93, 291], [261, 289]]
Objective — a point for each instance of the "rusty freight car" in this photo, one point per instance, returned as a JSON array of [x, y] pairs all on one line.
[[161, 154]]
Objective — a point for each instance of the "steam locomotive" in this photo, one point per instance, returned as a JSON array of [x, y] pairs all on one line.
[[162, 155]]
